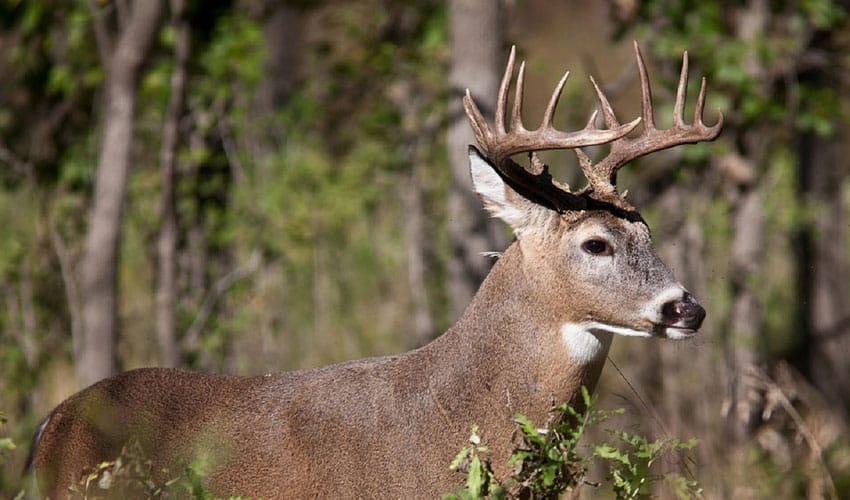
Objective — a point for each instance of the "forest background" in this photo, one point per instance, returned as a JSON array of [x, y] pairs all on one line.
[[259, 185]]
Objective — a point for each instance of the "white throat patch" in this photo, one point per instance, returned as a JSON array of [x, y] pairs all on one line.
[[589, 341]]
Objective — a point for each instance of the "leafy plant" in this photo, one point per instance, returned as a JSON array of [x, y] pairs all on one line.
[[552, 460], [480, 480], [6, 444], [132, 475], [630, 462], [549, 461]]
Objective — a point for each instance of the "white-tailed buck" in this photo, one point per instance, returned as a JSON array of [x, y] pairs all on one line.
[[582, 269]]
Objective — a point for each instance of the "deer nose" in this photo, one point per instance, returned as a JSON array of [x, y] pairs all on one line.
[[683, 313]]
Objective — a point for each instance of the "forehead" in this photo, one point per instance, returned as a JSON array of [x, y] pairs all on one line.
[[604, 221]]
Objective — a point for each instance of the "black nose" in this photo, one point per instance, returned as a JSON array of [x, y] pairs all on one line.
[[684, 313]]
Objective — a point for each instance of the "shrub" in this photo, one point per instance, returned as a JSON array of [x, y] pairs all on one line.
[[551, 460]]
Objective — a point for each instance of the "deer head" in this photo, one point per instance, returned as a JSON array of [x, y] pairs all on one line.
[[591, 245]]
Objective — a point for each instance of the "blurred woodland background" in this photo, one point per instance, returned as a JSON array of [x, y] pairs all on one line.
[[258, 185]]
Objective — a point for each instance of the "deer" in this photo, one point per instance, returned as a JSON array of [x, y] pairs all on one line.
[[580, 271]]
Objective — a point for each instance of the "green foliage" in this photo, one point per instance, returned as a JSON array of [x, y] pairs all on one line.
[[550, 460], [132, 475], [322, 206], [751, 73], [232, 59], [554, 460], [630, 462], [480, 480], [6, 444]]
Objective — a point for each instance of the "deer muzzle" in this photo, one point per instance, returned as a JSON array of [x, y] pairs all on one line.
[[682, 317]]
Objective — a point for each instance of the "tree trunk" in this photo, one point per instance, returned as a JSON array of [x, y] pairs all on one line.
[[419, 130], [422, 328], [476, 61], [824, 270], [166, 292], [283, 26], [282, 29], [746, 317], [96, 356]]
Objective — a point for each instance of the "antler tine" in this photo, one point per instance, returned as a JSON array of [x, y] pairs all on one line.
[[476, 120], [504, 87], [516, 111], [598, 176], [681, 94], [645, 91], [549, 114], [591, 122], [607, 111], [701, 105], [625, 149]]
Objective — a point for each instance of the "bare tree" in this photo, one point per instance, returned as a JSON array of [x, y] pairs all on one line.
[[283, 26], [824, 270], [476, 43], [95, 358], [166, 292], [420, 130]]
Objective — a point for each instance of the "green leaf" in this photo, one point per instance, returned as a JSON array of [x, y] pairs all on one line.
[[585, 395], [475, 480], [465, 452], [520, 456], [529, 430], [682, 488], [7, 444], [549, 474], [608, 452]]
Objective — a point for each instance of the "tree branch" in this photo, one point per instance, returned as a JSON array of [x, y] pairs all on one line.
[[191, 339], [101, 33]]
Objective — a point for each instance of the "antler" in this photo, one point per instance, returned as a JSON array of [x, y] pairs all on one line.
[[602, 176], [499, 145]]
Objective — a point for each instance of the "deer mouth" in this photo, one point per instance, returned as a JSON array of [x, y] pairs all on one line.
[[674, 332]]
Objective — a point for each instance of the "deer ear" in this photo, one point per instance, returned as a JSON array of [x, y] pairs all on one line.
[[501, 200]]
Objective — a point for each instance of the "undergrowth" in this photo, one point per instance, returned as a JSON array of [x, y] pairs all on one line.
[[552, 461], [133, 475]]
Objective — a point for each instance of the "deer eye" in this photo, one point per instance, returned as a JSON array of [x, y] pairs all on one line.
[[597, 247]]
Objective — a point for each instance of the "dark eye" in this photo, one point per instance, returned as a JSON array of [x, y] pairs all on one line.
[[596, 247]]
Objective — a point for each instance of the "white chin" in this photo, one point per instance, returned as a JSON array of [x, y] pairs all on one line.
[[674, 333]]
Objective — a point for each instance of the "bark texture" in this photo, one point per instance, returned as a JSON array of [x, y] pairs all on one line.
[[824, 270], [166, 292], [476, 63], [95, 358]]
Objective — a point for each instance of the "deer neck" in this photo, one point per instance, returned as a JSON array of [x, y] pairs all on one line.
[[510, 352]]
